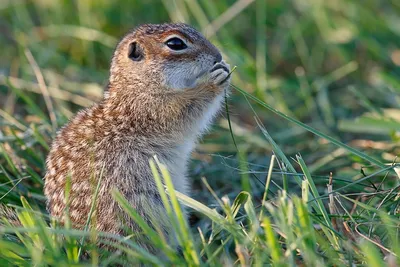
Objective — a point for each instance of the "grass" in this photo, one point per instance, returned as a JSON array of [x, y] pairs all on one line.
[[301, 171]]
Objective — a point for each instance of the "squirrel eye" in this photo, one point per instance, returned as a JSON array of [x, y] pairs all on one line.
[[135, 52], [176, 44]]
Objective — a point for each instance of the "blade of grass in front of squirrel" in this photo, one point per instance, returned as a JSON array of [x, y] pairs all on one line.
[[188, 243], [156, 239], [234, 229]]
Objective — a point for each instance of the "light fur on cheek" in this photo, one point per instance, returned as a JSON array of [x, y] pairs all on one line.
[[180, 77], [185, 75]]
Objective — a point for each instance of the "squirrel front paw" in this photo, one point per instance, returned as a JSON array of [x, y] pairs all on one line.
[[219, 74]]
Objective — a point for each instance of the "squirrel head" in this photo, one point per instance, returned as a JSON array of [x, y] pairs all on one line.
[[162, 57]]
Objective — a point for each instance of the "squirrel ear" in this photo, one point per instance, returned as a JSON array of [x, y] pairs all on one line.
[[135, 52]]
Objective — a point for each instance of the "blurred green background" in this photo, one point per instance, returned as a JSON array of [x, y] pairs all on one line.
[[331, 64]]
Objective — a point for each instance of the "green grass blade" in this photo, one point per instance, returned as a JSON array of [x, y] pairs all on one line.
[[272, 241], [320, 205], [312, 130], [155, 238], [181, 226], [372, 255]]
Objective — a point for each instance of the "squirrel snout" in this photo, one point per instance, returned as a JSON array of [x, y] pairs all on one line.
[[218, 58]]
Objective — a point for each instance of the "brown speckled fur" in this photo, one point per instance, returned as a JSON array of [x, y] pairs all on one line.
[[141, 115]]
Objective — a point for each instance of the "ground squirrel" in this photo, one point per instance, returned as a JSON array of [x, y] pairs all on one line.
[[166, 83]]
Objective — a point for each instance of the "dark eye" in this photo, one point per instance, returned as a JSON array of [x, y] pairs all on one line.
[[176, 44], [135, 52]]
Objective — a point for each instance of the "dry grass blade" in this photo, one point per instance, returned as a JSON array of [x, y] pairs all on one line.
[[79, 32], [225, 17], [53, 91], [12, 120], [43, 89], [372, 241], [267, 182]]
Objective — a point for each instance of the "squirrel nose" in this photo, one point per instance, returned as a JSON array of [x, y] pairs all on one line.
[[218, 58]]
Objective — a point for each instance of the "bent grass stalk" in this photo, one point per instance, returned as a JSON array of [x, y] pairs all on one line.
[[312, 130]]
